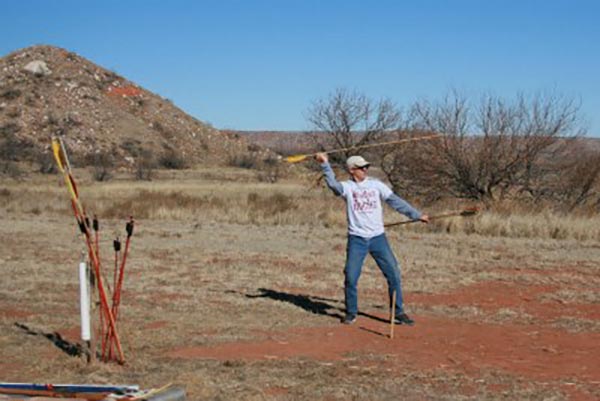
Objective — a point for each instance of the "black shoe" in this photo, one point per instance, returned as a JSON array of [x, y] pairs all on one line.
[[349, 319], [404, 319]]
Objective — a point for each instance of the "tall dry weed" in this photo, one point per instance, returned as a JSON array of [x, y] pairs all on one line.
[[268, 207], [520, 225], [147, 204], [236, 197]]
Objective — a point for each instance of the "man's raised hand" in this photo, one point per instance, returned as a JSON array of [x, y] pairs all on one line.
[[321, 157]]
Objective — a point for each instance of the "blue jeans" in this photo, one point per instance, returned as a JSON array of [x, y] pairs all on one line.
[[356, 252]]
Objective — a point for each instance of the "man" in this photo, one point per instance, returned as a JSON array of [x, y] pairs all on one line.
[[364, 212]]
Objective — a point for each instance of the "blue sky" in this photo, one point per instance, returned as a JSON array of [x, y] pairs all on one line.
[[257, 65]]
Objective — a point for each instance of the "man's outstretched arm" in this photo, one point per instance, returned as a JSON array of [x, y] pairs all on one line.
[[402, 206], [330, 179]]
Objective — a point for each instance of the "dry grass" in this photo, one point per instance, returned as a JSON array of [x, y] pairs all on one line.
[[590, 296], [578, 325], [235, 196]]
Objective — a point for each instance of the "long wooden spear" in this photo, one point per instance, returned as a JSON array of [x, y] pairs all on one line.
[[464, 213], [299, 158]]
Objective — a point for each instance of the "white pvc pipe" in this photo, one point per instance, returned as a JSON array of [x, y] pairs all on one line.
[[84, 302]]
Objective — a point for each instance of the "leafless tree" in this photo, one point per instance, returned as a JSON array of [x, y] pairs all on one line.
[[102, 163], [587, 180], [490, 150], [409, 166], [145, 165], [349, 118], [572, 178], [12, 150]]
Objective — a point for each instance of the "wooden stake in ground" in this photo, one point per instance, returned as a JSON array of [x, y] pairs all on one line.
[[393, 315]]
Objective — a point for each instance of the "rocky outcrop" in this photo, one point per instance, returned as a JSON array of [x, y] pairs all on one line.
[[38, 67]]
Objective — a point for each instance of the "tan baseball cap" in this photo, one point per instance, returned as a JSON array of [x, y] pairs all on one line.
[[356, 162]]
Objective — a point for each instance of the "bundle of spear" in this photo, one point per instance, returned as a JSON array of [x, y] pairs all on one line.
[[108, 313]]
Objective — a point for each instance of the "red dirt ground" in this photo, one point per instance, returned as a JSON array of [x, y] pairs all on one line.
[[14, 313], [528, 351], [491, 296], [537, 351]]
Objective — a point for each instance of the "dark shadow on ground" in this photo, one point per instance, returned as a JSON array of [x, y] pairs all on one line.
[[373, 331], [373, 317], [313, 304], [56, 339], [308, 303]]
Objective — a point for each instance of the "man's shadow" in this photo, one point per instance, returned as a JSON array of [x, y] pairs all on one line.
[[71, 349], [313, 304]]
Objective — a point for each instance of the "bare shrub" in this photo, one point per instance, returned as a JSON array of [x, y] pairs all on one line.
[[145, 164], [253, 147], [159, 127], [46, 163], [8, 130], [173, 159], [350, 118], [145, 204], [244, 160], [51, 119], [12, 150], [133, 147], [572, 178], [253, 198], [270, 170], [400, 163], [16, 149], [273, 204], [102, 163], [10, 94], [5, 197], [11, 169], [489, 151], [70, 121], [35, 211]]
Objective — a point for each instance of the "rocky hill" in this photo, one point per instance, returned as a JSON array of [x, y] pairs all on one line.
[[46, 91]]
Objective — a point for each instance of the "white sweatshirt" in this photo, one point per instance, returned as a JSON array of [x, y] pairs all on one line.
[[364, 211]]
